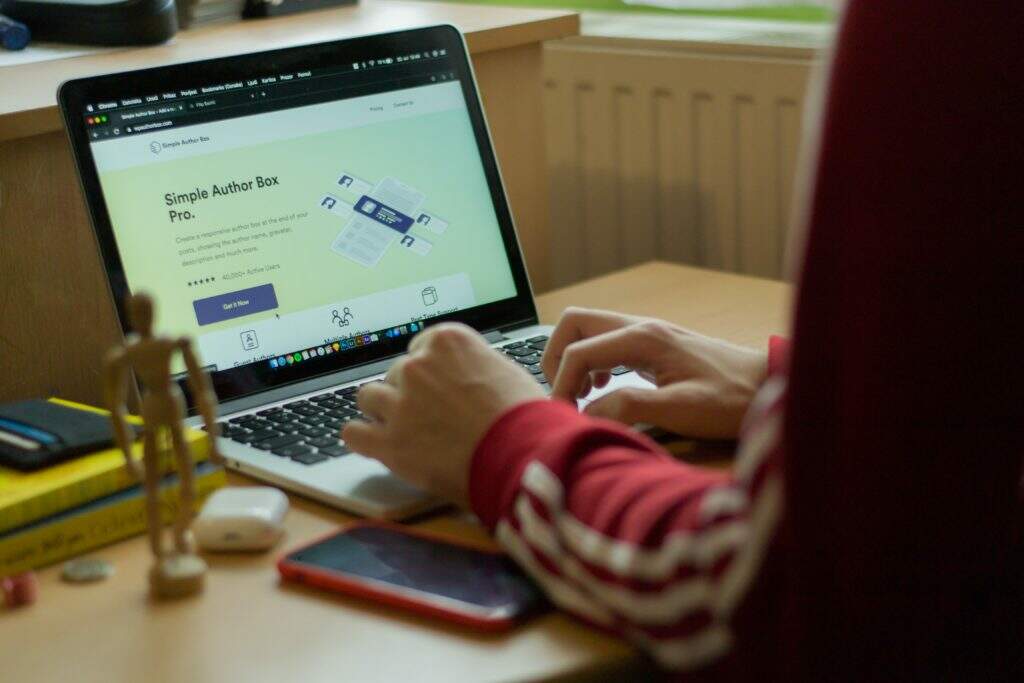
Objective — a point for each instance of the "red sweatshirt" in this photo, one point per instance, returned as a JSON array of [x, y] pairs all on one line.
[[871, 528]]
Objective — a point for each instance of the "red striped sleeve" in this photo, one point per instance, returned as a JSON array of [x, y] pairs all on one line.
[[622, 535]]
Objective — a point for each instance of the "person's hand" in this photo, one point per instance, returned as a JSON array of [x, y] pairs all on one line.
[[703, 385], [435, 405]]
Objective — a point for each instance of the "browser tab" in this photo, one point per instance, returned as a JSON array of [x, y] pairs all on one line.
[[130, 101]]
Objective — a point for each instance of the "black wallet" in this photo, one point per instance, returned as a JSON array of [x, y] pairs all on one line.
[[38, 433]]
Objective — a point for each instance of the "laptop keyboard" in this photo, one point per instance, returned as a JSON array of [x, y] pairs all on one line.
[[306, 431], [528, 353]]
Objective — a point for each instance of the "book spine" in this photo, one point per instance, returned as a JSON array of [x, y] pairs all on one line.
[[75, 534], [86, 490]]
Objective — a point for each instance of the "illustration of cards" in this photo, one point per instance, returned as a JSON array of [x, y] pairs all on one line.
[[380, 216], [336, 206], [353, 183], [430, 222], [416, 245]]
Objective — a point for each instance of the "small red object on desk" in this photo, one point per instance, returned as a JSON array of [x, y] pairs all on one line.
[[20, 589]]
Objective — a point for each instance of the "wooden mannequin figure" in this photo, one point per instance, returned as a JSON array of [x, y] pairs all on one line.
[[163, 412]]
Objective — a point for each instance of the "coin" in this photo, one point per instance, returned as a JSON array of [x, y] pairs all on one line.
[[86, 570]]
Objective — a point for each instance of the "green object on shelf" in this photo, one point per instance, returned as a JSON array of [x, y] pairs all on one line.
[[781, 12]]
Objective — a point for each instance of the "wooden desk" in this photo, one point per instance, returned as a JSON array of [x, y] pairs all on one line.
[[250, 627], [56, 318]]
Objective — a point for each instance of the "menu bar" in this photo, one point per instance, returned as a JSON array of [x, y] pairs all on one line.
[[201, 104], [171, 96]]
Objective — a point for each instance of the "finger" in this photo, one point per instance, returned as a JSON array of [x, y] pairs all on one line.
[[585, 387], [378, 401], [456, 333], [576, 324], [601, 379], [625, 346], [366, 438], [681, 408], [422, 339], [394, 374]]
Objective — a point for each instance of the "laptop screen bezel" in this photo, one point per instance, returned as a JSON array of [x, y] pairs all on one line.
[[235, 383]]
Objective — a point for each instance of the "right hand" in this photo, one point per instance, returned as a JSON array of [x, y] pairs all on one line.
[[703, 385]]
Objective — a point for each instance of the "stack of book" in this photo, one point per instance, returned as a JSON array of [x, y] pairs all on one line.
[[192, 13], [68, 509]]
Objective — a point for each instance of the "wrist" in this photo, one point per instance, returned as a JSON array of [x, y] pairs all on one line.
[[505, 449]]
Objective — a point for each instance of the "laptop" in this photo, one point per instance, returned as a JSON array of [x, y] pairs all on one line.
[[301, 214]]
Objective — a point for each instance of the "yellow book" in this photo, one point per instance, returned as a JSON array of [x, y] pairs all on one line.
[[29, 496], [101, 522]]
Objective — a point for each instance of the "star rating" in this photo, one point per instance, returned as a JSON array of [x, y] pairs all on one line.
[[201, 281]]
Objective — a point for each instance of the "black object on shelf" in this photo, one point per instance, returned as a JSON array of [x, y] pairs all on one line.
[[273, 8], [96, 22]]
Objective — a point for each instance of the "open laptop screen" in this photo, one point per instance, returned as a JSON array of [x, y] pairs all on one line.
[[303, 212]]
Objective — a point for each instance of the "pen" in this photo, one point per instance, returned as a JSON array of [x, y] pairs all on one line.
[[14, 35]]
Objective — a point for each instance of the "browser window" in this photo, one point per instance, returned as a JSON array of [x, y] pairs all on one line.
[[301, 214]]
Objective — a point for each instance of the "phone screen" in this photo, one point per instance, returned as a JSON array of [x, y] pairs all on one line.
[[486, 580]]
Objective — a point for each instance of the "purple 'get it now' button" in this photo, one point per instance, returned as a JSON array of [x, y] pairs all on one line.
[[235, 304]]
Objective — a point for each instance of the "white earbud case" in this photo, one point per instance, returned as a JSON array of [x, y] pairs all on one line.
[[241, 518]]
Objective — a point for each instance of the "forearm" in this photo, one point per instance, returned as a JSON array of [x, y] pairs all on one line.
[[614, 529]]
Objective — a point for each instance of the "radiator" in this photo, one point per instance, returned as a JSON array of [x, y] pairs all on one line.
[[685, 155]]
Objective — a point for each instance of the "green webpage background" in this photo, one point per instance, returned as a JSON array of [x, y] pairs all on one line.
[[435, 153]]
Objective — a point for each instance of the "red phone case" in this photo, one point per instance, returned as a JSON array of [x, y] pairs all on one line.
[[354, 585]]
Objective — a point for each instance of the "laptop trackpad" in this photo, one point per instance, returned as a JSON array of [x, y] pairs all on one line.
[[630, 379]]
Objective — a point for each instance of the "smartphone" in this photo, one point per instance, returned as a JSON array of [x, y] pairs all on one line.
[[418, 571]]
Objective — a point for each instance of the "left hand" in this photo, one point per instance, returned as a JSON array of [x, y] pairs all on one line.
[[435, 405]]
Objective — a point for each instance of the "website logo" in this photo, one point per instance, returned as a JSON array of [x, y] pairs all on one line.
[[155, 147]]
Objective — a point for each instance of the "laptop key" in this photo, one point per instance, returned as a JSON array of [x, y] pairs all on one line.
[[281, 417], [347, 391], [324, 441], [319, 398], [620, 370], [270, 411], [293, 449], [514, 345], [308, 412], [521, 351], [309, 458], [258, 435], [311, 421], [297, 404], [342, 413], [289, 427], [538, 346], [278, 442], [335, 451], [332, 403], [333, 424], [539, 338], [535, 369], [528, 360], [313, 432]]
